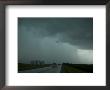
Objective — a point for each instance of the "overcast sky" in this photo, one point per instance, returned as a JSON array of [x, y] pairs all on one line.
[[59, 40]]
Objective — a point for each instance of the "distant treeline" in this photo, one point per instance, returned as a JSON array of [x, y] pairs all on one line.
[[76, 68]]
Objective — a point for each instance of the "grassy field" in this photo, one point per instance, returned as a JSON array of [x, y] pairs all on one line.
[[77, 68], [66, 68], [22, 66]]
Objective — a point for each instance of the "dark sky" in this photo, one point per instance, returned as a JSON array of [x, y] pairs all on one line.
[[55, 40]]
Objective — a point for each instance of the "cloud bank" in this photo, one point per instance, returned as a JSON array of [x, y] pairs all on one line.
[[55, 39]]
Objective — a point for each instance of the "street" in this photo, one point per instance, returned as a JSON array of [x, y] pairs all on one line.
[[50, 69]]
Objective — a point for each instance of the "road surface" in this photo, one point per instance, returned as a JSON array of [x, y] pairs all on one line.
[[50, 69]]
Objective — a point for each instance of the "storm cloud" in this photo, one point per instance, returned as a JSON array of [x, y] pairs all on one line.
[[55, 39]]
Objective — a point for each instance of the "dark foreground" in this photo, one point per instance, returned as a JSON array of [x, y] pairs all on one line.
[[77, 68], [56, 68]]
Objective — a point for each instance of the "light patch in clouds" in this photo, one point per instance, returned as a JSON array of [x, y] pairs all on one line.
[[85, 56]]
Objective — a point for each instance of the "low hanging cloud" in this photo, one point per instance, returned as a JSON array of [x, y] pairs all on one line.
[[54, 39], [76, 31]]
